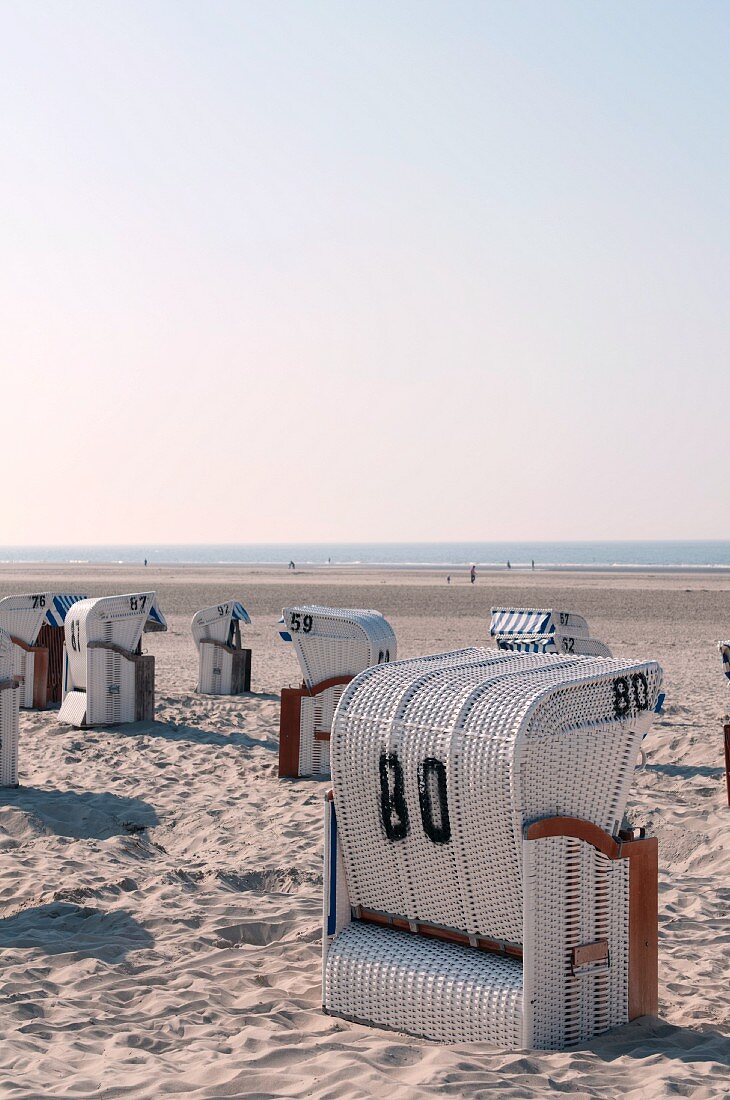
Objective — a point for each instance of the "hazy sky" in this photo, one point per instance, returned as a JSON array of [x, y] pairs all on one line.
[[363, 270]]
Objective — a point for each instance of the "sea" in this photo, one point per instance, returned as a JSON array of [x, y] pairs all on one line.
[[619, 556]]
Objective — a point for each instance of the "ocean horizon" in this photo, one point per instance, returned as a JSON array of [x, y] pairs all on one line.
[[638, 554]]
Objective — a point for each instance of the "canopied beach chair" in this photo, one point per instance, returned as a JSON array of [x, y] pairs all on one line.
[[107, 680], [9, 705], [477, 886], [532, 630], [35, 623], [225, 667], [332, 645]]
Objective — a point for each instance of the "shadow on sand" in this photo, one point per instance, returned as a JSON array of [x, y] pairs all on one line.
[[687, 771], [83, 815], [648, 1037], [173, 731], [62, 928]]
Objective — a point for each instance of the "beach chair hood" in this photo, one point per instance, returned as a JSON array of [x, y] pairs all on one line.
[[24, 615], [215, 622]]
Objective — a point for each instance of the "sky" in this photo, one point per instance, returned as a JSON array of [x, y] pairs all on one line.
[[374, 271]]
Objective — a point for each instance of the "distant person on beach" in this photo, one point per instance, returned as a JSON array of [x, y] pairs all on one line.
[[508, 564], [448, 578], [533, 563], [473, 574], [145, 561], [292, 565]]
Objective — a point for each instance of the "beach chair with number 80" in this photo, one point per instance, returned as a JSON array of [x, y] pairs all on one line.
[[479, 885]]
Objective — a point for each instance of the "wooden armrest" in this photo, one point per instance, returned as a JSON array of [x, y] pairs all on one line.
[[579, 829]]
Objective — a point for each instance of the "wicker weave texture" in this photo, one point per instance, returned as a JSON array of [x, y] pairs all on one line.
[[23, 669], [442, 991], [333, 641], [573, 896], [23, 616], [513, 737], [215, 675], [317, 712]]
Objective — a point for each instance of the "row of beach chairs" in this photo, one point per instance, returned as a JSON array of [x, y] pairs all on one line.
[[481, 883]]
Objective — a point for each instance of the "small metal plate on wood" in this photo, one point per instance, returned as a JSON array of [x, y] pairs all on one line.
[[322, 735]]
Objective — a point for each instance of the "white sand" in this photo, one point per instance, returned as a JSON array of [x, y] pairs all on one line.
[[161, 888]]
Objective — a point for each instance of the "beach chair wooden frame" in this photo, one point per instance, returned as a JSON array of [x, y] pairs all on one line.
[[332, 645], [477, 884], [107, 678], [35, 624], [224, 665]]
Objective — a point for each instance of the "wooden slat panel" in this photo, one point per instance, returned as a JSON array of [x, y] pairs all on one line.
[[643, 925], [144, 689], [289, 735]]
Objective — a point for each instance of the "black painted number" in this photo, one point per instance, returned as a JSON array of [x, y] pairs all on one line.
[[38, 601], [384, 657], [625, 693], [569, 645], [299, 622], [432, 798], [137, 603], [640, 689], [393, 797], [432, 782]]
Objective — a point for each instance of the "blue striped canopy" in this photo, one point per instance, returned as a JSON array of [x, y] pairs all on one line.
[[60, 605], [520, 620]]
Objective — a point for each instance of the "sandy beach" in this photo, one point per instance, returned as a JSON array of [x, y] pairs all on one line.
[[161, 888]]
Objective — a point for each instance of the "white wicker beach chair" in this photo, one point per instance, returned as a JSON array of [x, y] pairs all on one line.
[[225, 667], [35, 623], [107, 680], [9, 707], [476, 887], [332, 645]]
